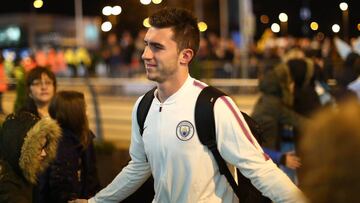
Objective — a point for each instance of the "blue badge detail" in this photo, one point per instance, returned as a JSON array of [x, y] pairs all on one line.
[[185, 130]]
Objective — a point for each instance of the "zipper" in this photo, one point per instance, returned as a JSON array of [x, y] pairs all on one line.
[[160, 108]]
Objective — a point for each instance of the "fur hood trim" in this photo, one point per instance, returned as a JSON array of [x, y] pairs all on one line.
[[29, 160]]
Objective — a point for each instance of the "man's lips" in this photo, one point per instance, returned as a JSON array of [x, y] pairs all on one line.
[[150, 65]]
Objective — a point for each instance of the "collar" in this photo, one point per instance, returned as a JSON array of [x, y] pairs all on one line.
[[178, 94]]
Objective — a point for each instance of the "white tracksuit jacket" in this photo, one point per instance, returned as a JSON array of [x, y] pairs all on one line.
[[184, 170]]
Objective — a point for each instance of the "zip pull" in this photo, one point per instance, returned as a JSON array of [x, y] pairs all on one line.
[[161, 104]]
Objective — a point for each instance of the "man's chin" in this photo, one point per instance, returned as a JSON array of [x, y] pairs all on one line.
[[151, 76]]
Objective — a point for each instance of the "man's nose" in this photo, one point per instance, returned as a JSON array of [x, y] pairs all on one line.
[[147, 54]]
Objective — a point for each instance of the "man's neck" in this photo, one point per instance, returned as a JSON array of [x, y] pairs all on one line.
[[169, 87]]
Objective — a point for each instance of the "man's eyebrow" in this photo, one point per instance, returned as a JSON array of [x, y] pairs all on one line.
[[153, 44]]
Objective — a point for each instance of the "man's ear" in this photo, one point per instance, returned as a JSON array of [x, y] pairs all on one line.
[[186, 55]]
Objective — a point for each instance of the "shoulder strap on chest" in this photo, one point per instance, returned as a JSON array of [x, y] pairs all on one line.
[[205, 127], [204, 114], [143, 108]]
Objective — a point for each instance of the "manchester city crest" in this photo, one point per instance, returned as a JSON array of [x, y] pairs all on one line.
[[184, 130]]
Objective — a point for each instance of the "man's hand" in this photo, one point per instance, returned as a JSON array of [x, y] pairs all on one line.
[[292, 161], [78, 201]]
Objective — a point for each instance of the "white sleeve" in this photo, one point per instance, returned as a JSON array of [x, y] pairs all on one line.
[[238, 147], [133, 175]]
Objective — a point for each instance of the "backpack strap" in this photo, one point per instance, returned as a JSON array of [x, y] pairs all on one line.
[[143, 109], [205, 127]]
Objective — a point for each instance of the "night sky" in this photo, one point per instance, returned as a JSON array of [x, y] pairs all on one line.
[[325, 12]]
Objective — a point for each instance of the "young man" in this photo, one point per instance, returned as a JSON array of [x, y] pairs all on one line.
[[184, 170]]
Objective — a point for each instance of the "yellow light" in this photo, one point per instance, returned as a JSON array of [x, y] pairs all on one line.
[[38, 3], [202, 26], [314, 26], [156, 1], [264, 19], [358, 26], [146, 23]]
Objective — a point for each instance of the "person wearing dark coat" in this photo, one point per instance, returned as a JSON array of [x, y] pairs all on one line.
[[306, 101], [345, 77], [27, 145], [298, 92], [272, 113], [73, 174]]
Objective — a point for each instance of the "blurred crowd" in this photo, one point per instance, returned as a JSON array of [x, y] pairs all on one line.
[[120, 56], [218, 57]]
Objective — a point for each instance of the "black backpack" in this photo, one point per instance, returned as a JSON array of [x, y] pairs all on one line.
[[205, 126]]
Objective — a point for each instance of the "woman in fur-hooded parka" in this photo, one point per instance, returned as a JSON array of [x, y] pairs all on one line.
[[20, 148]]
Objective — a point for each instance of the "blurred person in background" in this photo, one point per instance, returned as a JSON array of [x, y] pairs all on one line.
[[354, 63], [272, 114], [3, 82], [345, 73], [302, 72], [73, 173], [40, 87], [298, 93], [137, 63], [34, 94], [344, 76], [27, 145], [127, 51], [330, 154]]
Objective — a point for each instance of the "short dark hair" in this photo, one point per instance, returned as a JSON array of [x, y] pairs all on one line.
[[183, 24]]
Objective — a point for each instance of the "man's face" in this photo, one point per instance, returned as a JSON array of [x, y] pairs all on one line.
[[161, 55]]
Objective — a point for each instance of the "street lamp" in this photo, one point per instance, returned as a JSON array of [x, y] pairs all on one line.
[[38, 3], [145, 2], [314, 26], [283, 17], [146, 23], [107, 10], [156, 1], [79, 23], [202, 26], [335, 28], [345, 17], [116, 10], [112, 12], [275, 28], [106, 26]]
